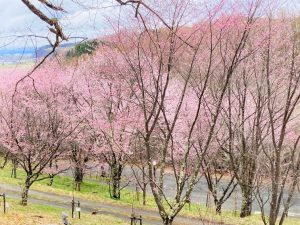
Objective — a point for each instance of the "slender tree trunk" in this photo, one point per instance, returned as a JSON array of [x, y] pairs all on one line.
[[246, 201], [144, 186], [77, 186], [51, 180], [14, 169], [218, 208], [13, 172], [217, 203], [144, 194], [275, 194], [25, 192], [137, 191]]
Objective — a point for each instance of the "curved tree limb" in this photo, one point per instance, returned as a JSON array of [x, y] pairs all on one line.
[[53, 22]]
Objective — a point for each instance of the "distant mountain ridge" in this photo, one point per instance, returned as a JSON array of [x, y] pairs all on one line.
[[14, 54], [44, 50]]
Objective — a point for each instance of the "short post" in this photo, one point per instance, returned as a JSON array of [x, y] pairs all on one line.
[[78, 209], [141, 220], [4, 202], [75, 208], [72, 208], [134, 219]]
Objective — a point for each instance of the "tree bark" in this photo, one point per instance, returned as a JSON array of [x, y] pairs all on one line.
[[116, 194], [51, 180], [78, 177], [14, 169], [168, 221], [25, 192], [144, 194], [116, 172], [246, 201], [13, 172], [144, 186], [218, 208]]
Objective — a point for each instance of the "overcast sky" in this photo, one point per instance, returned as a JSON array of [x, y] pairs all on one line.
[[79, 21]]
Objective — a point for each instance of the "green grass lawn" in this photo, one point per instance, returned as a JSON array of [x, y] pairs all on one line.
[[98, 191], [35, 214]]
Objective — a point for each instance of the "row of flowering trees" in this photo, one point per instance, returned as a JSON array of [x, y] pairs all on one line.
[[216, 97]]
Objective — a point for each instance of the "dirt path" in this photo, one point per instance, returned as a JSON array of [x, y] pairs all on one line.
[[122, 212]]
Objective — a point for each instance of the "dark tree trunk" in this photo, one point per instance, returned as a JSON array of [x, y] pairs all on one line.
[[51, 180], [78, 177], [116, 172], [217, 202], [218, 208], [116, 187], [246, 201], [144, 194], [25, 192], [144, 186], [14, 169], [168, 221]]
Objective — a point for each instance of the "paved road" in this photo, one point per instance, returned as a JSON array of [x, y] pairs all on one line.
[[122, 212], [234, 202], [199, 195]]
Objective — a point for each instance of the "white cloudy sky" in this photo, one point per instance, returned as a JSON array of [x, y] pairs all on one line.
[[80, 20]]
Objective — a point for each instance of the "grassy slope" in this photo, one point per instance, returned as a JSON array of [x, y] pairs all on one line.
[[45, 215], [96, 191]]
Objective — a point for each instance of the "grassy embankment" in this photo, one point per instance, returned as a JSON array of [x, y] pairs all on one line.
[[35, 214], [97, 191]]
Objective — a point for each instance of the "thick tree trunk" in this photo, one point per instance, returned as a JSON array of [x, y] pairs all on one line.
[[78, 177], [116, 187], [273, 214], [25, 192], [168, 221], [246, 201], [116, 172]]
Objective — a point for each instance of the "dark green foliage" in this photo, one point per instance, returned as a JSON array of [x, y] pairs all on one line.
[[86, 47]]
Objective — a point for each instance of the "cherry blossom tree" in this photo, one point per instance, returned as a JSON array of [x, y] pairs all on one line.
[[186, 81], [221, 182], [35, 125], [180, 89], [279, 67], [244, 127], [105, 103]]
